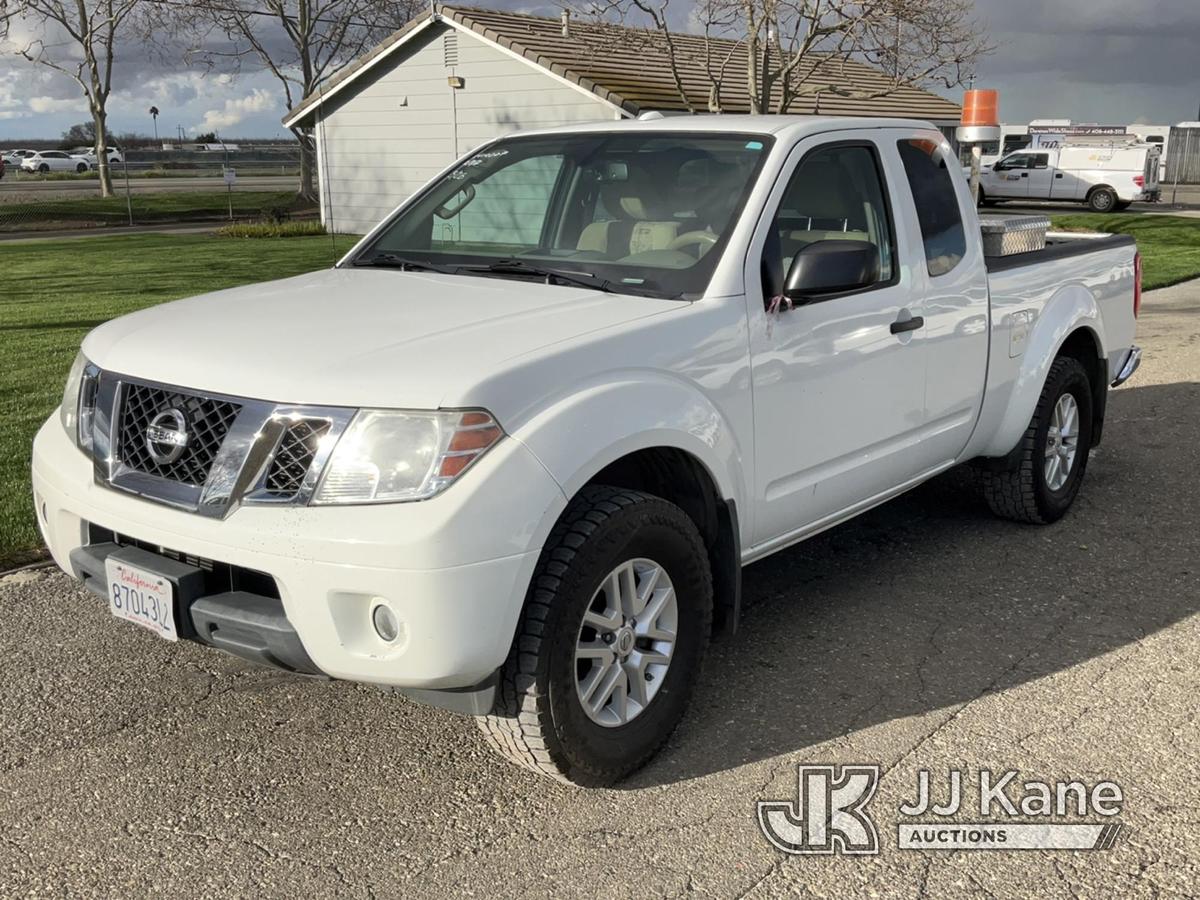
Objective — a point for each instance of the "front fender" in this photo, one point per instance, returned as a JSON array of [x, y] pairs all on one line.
[[1070, 308], [599, 423]]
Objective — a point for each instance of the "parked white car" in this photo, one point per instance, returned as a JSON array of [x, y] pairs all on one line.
[[511, 454], [14, 157], [114, 155], [54, 161], [1104, 177]]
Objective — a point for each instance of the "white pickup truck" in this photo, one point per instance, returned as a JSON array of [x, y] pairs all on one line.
[[511, 454], [1105, 177]]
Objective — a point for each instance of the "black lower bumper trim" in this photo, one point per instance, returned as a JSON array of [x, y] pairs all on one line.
[[476, 700], [239, 622]]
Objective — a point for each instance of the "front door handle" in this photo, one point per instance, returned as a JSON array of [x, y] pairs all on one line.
[[898, 327]]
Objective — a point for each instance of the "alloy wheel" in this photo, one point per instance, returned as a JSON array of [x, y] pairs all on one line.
[[625, 642], [1062, 440]]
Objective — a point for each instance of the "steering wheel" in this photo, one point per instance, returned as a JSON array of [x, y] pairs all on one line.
[[702, 239]]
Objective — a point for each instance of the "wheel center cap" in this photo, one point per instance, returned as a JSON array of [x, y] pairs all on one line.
[[623, 640]]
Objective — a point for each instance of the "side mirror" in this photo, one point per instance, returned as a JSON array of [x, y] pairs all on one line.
[[828, 267]]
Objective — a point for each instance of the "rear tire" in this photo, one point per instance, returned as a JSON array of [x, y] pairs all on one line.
[[540, 720], [43, 168], [1102, 200], [1036, 490]]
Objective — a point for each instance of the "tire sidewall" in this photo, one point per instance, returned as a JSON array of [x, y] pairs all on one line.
[[655, 531], [1073, 380]]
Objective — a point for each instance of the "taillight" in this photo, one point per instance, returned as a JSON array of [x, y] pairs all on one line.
[[1137, 284], [1139, 180]]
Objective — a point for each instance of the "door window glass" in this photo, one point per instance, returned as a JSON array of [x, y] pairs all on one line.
[[836, 193], [936, 202]]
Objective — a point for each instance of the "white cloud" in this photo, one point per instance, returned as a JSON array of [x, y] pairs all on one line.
[[234, 111], [57, 104]]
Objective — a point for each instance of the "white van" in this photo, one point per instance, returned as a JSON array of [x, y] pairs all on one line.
[[1104, 176]]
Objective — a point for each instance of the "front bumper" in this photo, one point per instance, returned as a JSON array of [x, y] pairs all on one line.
[[453, 569]]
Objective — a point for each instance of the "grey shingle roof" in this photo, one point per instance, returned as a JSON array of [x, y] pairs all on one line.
[[630, 68]]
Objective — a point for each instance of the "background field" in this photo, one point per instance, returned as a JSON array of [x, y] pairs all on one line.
[[52, 293]]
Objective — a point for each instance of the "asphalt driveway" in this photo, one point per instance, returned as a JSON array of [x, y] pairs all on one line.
[[925, 635]]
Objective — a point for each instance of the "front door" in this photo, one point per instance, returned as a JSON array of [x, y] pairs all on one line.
[[1010, 176], [839, 381]]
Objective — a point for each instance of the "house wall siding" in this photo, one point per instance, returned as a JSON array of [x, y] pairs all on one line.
[[395, 133]]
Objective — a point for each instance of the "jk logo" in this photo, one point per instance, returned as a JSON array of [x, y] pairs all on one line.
[[829, 813]]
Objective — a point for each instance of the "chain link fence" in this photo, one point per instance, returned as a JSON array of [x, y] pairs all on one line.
[[155, 188]]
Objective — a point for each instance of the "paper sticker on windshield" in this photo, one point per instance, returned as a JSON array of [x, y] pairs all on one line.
[[754, 145]]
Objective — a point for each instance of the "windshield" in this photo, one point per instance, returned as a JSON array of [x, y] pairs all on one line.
[[646, 213]]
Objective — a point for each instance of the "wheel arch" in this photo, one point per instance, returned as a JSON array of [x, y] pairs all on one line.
[[662, 436], [1069, 324], [682, 479]]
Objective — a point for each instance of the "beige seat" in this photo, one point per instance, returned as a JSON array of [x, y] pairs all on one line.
[[640, 224], [824, 195]]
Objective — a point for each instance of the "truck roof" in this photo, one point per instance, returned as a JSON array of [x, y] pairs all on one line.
[[793, 127]]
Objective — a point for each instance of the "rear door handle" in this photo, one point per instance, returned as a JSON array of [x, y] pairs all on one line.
[[898, 327], [1024, 174]]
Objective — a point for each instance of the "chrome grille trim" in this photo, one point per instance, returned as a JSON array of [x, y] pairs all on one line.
[[240, 463]]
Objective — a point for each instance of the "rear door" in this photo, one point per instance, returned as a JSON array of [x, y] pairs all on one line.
[[953, 282], [838, 391]]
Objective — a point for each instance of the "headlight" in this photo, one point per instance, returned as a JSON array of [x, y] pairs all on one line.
[[78, 402], [386, 456]]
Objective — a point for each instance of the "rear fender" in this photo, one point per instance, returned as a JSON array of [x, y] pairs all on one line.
[[1070, 308]]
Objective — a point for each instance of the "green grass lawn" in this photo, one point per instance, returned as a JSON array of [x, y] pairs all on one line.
[[52, 293], [147, 208], [1170, 245]]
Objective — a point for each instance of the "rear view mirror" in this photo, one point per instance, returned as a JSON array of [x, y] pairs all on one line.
[[829, 267], [456, 204]]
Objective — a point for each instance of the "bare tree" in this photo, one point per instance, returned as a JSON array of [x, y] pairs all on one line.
[[303, 43], [79, 39], [789, 49]]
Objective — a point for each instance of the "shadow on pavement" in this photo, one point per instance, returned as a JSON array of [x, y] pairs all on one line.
[[929, 602]]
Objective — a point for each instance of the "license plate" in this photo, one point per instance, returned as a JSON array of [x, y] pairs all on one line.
[[142, 597]]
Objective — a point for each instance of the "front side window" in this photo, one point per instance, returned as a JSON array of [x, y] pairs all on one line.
[[937, 204], [836, 193], [645, 213]]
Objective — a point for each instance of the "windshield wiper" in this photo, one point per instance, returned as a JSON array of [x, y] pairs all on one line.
[[391, 260], [555, 276]]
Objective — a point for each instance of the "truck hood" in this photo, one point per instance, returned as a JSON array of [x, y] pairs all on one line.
[[356, 337]]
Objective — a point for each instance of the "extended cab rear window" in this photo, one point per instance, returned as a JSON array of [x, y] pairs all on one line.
[[937, 204]]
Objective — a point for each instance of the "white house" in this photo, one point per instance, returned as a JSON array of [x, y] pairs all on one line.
[[455, 78]]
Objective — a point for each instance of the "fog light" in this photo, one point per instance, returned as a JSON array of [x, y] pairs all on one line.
[[387, 626]]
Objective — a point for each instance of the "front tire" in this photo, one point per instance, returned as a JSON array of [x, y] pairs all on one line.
[[43, 168], [610, 641], [81, 168], [1053, 452]]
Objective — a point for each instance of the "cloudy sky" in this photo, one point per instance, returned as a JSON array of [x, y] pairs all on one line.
[[1109, 61]]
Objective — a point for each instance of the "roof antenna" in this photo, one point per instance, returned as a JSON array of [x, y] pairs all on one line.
[[566, 23]]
